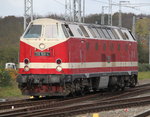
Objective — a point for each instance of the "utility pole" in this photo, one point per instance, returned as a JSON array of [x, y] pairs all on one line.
[[133, 25], [110, 13], [103, 15], [83, 11], [120, 12], [68, 13], [28, 12], [77, 10]]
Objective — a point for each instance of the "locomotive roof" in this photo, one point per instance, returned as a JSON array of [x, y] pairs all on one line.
[[45, 21], [76, 29], [51, 21]]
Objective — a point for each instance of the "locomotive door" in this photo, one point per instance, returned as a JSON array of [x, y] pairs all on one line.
[[108, 55], [130, 51], [83, 51], [29, 57], [83, 54]]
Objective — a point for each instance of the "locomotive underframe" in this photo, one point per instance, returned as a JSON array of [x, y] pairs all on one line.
[[62, 85]]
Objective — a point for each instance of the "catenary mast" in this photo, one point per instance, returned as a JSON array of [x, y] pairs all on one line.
[[28, 12]]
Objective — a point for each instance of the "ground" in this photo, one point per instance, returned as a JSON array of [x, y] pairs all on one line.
[[126, 112]]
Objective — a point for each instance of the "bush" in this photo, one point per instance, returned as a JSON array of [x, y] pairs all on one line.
[[13, 73], [5, 78], [144, 67]]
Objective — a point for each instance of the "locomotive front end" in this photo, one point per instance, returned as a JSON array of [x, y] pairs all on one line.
[[42, 59]]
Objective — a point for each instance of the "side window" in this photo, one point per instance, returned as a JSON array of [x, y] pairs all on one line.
[[84, 31], [126, 35], [110, 33], [76, 30], [132, 35], [95, 31], [65, 31], [92, 32], [106, 33], [80, 32], [51, 31], [68, 29], [115, 34], [88, 31], [100, 32], [122, 35]]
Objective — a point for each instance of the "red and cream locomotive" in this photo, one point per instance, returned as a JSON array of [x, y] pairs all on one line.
[[58, 58]]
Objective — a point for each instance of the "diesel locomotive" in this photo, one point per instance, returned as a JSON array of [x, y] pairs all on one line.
[[59, 58]]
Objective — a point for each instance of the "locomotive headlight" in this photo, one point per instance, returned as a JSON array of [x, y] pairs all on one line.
[[42, 46], [26, 61], [58, 61], [59, 68], [26, 68]]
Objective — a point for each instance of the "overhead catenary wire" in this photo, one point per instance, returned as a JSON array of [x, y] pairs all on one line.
[[131, 5], [100, 1], [134, 6]]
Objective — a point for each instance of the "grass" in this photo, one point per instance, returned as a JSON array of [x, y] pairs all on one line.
[[10, 91], [144, 75]]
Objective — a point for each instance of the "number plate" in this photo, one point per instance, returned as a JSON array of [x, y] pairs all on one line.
[[42, 53]]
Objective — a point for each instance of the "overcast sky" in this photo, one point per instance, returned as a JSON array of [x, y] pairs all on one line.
[[45, 7]]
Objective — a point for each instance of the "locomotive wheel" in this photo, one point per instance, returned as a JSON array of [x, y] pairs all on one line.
[[121, 84], [113, 88], [79, 89], [132, 82], [82, 92], [70, 89]]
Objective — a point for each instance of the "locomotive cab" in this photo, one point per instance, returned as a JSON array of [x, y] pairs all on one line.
[[45, 30]]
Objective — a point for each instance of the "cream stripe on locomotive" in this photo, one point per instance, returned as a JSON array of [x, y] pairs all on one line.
[[79, 65]]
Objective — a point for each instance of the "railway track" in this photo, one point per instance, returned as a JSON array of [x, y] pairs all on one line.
[[24, 103], [144, 114], [90, 107], [21, 109], [104, 96]]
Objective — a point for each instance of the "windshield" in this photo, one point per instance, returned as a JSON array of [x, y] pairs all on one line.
[[34, 31], [52, 31]]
